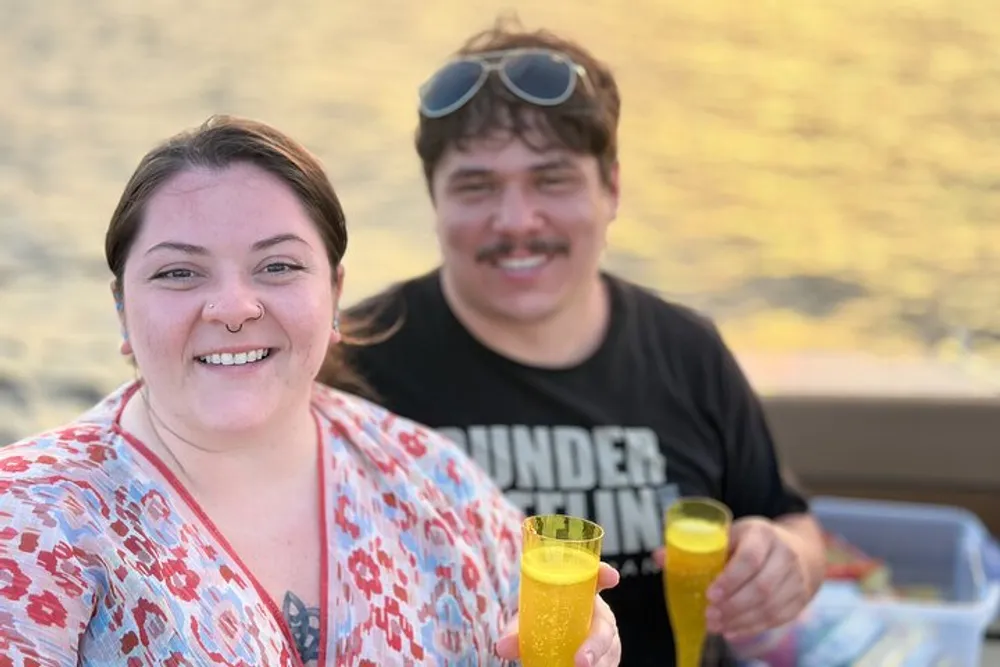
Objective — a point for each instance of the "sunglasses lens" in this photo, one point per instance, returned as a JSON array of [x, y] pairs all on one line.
[[542, 78], [450, 86]]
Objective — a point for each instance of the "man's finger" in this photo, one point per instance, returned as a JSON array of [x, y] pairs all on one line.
[[760, 600], [750, 553], [778, 611], [758, 592], [754, 597]]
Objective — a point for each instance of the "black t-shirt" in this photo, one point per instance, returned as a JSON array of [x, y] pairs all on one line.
[[659, 410]]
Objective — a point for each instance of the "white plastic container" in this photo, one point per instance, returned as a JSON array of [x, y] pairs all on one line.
[[928, 545]]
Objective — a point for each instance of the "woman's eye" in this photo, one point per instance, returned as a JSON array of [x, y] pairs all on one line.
[[174, 274], [281, 267]]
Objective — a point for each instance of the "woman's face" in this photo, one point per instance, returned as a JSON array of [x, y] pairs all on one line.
[[216, 247]]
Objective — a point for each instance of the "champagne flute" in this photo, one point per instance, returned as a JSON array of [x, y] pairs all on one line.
[[697, 542]]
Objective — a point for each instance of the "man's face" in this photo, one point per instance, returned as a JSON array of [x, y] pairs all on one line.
[[521, 230]]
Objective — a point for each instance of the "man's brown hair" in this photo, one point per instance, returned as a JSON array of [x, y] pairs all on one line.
[[586, 123]]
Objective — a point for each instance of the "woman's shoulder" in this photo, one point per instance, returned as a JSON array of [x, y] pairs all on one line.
[[60, 450], [420, 468], [403, 445], [66, 457], [53, 491]]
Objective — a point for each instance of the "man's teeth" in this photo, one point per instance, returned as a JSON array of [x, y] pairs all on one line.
[[522, 263], [237, 359]]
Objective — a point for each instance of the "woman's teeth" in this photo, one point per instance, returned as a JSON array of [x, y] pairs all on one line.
[[237, 359]]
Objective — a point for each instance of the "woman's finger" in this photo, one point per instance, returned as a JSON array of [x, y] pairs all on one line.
[[602, 639], [607, 577]]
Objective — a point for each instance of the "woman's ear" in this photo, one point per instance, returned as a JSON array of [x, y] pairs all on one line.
[[119, 297], [338, 290]]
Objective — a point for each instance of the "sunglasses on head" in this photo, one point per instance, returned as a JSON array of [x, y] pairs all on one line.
[[537, 76]]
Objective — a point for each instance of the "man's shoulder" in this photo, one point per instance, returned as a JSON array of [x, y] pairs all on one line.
[[402, 326], [394, 300], [667, 318]]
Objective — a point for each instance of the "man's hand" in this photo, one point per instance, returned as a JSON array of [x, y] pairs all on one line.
[[602, 648], [772, 574], [767, 582]]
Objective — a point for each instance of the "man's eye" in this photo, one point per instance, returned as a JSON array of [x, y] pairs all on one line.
[[474, 188]]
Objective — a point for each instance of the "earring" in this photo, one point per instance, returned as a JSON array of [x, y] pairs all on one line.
[[336, 321], [126, 347]]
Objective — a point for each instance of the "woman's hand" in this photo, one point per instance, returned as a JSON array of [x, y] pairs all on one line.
[[602, 648]]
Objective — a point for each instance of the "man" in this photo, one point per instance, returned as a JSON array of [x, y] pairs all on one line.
[[578, 391]]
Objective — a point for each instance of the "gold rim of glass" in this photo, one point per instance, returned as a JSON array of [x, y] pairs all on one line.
[[724, 511], [528, 526]]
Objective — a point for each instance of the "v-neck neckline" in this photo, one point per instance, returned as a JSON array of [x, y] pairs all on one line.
[[175, 483]]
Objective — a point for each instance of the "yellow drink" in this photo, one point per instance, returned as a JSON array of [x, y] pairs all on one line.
[[559, 566], [697, 548], [558, 584]]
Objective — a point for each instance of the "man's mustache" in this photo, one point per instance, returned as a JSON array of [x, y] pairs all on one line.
[[506, 247]]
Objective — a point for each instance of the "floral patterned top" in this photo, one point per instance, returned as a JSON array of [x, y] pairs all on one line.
[[105, 559]]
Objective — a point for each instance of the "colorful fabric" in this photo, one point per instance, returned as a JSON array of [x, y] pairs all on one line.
[[106, 560]]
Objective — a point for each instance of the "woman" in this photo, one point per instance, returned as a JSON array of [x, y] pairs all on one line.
[[226, 509]]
